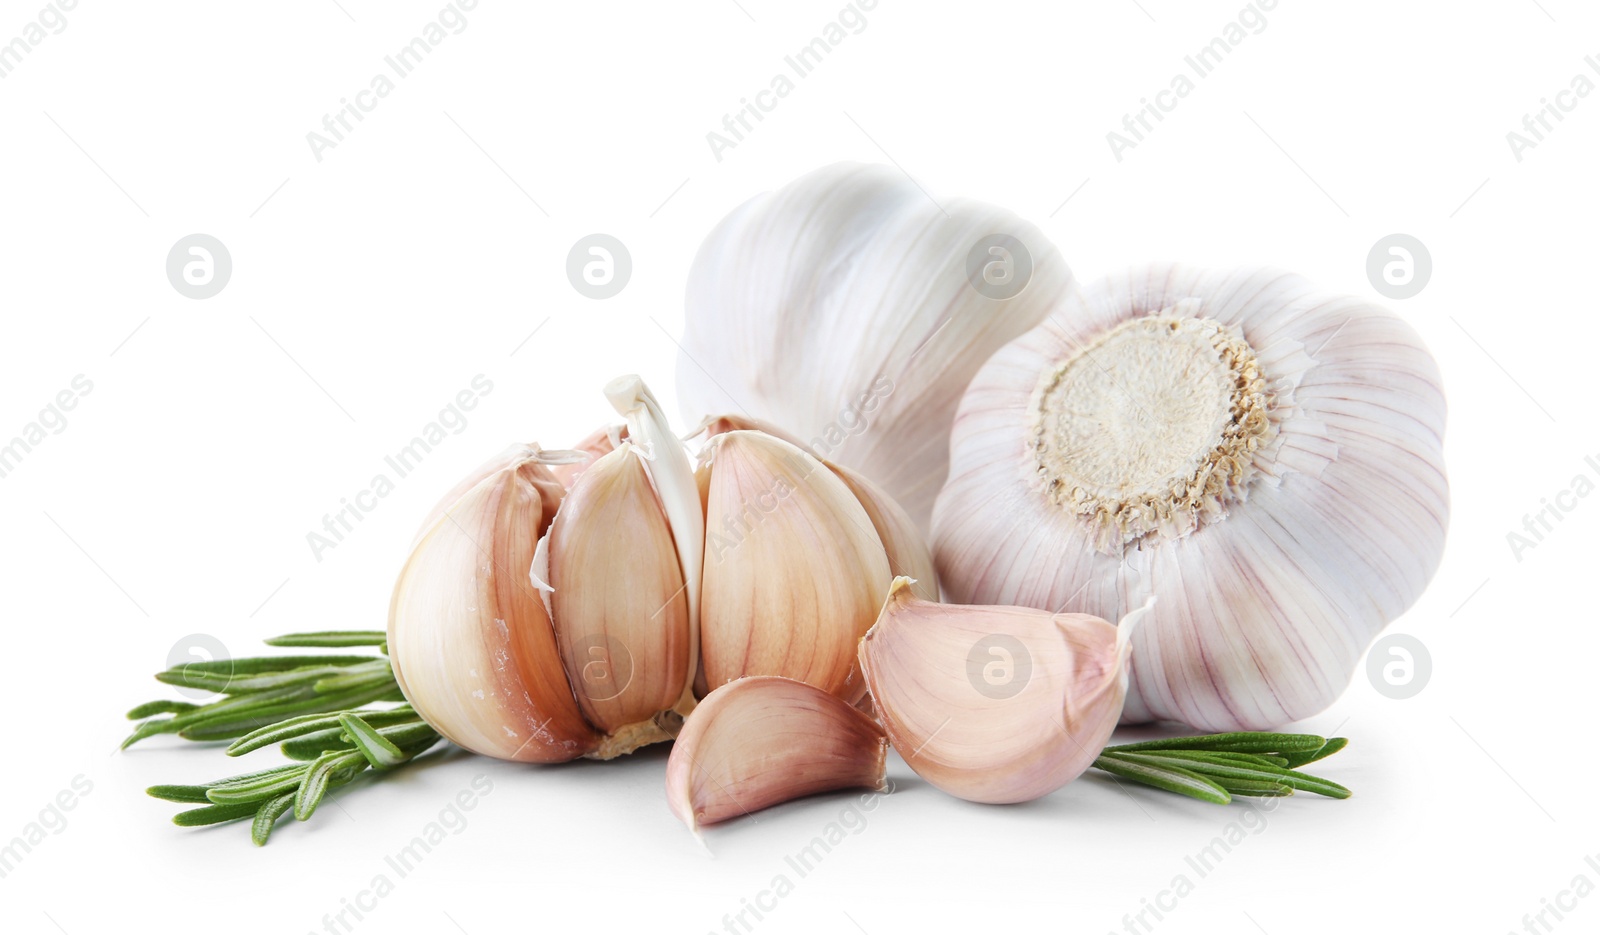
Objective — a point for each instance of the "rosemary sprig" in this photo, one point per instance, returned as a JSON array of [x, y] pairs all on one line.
[[313, 707], [1217, 767]]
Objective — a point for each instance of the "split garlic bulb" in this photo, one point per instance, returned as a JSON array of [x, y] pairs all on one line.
[[842, 307], [568, 604], [1264, 458], [994, 704]]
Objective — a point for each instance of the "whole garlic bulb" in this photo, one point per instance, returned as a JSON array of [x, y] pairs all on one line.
[[1263, 457], [840, 307]]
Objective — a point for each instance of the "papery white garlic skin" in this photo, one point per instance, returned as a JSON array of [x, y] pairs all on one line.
[[794, 569], [469, 635], [839, 307], [1264, 457], [763, 740], [997, 705]]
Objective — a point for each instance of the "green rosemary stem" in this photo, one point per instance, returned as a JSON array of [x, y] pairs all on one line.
[[315, 708], [1217, 767]]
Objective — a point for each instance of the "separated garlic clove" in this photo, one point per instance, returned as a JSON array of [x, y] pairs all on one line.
[[1264, 457], [619, 602], [851, 309], [794, 570], [469, 636], [906, 548], [764, 740], [994, 704]]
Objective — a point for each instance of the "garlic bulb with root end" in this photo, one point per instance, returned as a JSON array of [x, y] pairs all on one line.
[[469, 636], [1264, 457], [851, 309], [794, 569], [764, 740], [994, 704]]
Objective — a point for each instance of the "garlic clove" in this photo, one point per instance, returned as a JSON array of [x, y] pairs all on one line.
[[1284, 502], [678, 491], [764, 740], [794, 570], [994, 704], [469, 636], [546, 482], [619, 601], [906, 547], [598, 443], [843, 307]]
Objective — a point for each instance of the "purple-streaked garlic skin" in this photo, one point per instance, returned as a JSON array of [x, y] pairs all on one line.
[[764, 740]]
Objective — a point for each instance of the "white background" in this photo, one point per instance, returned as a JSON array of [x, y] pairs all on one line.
[[370, 287]]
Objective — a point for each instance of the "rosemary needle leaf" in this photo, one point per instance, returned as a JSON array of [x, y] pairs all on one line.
[[330, 768], [381, 753], [196, 794], [238, 684], [151, 729], [1170, 779], [1249, 759], [1215, 770], [212, 815], [1328, 749], [332, 638], [240, 792], [1243, 742], [267, 816], [241, 721], [1252, 788], [250, 665], [312, 746], [310, 724], [162, 706]]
